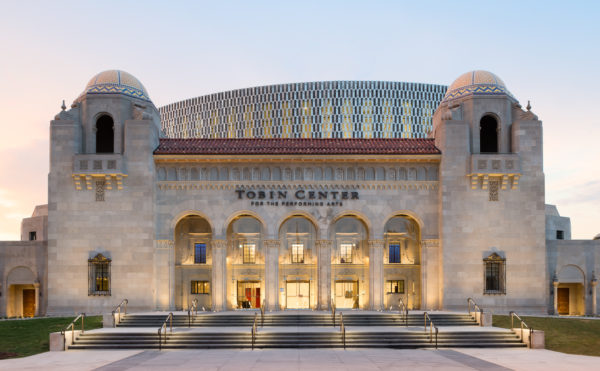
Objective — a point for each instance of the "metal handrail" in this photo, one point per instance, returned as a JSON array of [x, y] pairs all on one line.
[[262, 314], [164, 326], [343, 329], [254, 330], [431, 327], [476, 308], [512, 316], [193, 308], [403, 311], [118, 310], [333, 312], [72, 326]]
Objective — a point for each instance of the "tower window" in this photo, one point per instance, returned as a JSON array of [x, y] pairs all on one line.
[[105, 135], [200, 253], [560, 235], [488, 135], [33, 236], [99, 275]]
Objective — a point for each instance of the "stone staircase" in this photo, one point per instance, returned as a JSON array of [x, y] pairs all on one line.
[[225, 340], [296, 330], [298, 320]]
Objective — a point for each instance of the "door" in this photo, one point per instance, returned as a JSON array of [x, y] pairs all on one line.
[[28, 303], [249, 294], [298, 295], [563, 300], [346, 294]]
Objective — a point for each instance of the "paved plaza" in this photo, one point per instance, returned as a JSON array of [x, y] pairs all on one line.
[[306, 359]]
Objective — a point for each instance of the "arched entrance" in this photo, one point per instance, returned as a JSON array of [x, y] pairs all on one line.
[[297, 264], [23, 293], [350, 263], [570, 291], [245, 263], [193, 262], [402, 262]]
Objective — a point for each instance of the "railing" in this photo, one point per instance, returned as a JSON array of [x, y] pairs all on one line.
[[254, 330], [523, 324], [262, 314], [333, 312], [193, 308], [118, 311], [164, 326], [431, 327], [403, 311], [72, 326], [343, 329], [476, 309]]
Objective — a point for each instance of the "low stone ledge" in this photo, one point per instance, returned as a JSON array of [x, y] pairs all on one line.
[[537, 341]]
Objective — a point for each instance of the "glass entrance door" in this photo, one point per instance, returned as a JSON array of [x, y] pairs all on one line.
[[248, 294], [298, 294], [346, 294]]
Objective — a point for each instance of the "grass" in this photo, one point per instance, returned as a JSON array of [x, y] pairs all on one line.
[[21, 338], [567, 335]]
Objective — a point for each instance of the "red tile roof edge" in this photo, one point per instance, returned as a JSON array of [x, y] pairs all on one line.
[[294, 146]]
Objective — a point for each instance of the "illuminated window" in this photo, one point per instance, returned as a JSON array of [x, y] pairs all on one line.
[[297, 253], [200, 287], [249, 253], [395, 287], [200, 253], [99, 275], [346, 253]]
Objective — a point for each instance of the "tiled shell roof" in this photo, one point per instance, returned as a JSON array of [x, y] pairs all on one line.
[[288, 146], [115, 82]]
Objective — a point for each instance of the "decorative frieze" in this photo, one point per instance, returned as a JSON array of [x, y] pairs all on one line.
[[218, 244], [91, 181], [232, 185], [376, 244]]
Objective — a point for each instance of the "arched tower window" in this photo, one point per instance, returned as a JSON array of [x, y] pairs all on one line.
[[488, 135], [105, 135]]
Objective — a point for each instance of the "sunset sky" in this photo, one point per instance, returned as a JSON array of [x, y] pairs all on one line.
[[546, 52]]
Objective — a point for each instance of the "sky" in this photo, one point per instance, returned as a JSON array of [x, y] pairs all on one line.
[[546, 52]]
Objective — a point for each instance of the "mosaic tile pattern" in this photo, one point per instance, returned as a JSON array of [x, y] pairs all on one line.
[[325, 109], [115, 82], [476, 83]]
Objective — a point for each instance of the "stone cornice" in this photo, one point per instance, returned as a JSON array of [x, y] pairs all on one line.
[[281, 184]]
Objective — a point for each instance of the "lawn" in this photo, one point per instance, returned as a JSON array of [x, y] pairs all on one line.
[[567, 335], [22, 338]]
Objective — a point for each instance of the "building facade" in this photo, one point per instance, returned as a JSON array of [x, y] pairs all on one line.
[[306, 222]]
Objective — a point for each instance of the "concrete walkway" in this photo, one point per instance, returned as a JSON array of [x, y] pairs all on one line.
[[306, 359]]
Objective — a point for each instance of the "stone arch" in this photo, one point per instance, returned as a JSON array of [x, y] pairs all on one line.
[[105, 133], [245, 213], [358, 214], [489, 129], [571, 273], [303, 214], [408, 213], [20, 275], [190, 212]]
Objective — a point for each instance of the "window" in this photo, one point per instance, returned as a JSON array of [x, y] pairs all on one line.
[[200, 287], [395, 287], [488, 135], [394, 253], [33, 236], [105, 136], [99, 275], [199, 253], [560, 235], [297, 253], [346, 253], [494, 269], [249, 253]]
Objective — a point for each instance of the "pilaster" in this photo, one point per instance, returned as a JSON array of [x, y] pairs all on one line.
[[324, 273], [164, 274], [219, 275], [376, 274], [430, 274], [272, 274]]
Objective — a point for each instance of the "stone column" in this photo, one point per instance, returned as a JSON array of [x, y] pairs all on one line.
[[430, 288], [376, 274], [594, 283], [219, 275], [172, 278], [271, 274], [324, 273], [555, 283], [164, 270], [36, 285]]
